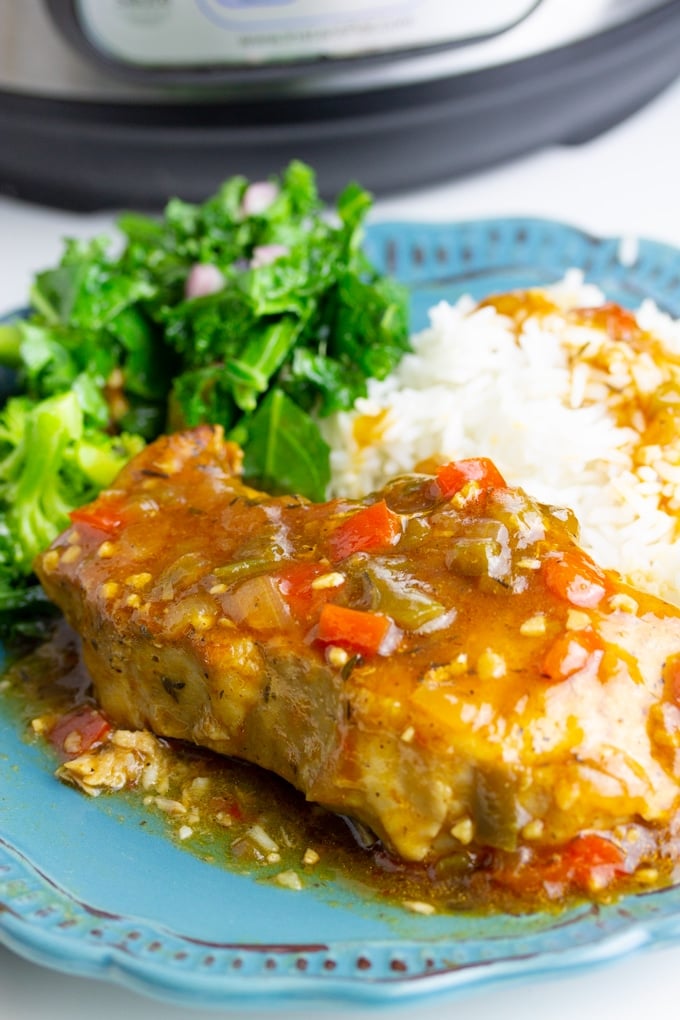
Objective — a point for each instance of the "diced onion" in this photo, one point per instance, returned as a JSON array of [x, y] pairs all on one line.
[[203, 279], [262, 839], [195, 612], [257, 197], [258, 603], [265, 254]]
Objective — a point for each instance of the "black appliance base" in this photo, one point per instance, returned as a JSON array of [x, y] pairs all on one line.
[[84, 156]]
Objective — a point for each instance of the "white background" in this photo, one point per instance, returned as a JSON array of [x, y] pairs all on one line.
[[626, 182]]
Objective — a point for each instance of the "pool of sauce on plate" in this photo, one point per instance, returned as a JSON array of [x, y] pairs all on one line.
[[239, 817]]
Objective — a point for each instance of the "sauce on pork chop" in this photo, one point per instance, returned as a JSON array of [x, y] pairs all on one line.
[[439, 661]]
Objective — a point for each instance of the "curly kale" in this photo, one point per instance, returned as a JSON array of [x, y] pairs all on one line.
[[256, 310]]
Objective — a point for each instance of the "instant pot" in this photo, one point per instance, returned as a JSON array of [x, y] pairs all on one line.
[[125, 102]]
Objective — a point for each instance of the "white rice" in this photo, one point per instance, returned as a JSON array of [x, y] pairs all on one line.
[[539, 397]]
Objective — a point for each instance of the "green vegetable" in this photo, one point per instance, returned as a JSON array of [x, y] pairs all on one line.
[[286, 449], [397, 594], [298, 311], [50, 462], [495, 808], [130, 341], [10, 342]]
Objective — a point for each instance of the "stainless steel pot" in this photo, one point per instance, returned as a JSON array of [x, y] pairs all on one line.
[[106, 102]]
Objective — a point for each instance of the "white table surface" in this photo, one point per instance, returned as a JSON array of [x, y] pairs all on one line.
[[626, 182]]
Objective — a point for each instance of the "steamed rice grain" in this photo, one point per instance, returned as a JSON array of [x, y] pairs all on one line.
[[555, 401]]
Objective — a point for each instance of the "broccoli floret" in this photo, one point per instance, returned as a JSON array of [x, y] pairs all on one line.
[[50, 463]]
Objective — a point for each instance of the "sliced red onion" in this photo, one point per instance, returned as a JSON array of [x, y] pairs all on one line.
[[258, 197], [203, 279], [265, 254]]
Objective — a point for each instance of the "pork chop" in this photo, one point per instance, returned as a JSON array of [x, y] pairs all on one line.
[[440, 660]]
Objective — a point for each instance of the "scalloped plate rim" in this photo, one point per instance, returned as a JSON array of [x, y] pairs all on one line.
[[56, 949]]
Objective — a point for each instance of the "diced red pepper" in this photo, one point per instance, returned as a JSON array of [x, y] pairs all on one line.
[[295, 582], [452, 477], [585, 863], [619, 323], [372, 527], [227, 809], [296, 577], [353, 628], [574, 577], [585, 858], [104, 515], [570, 653], [79, 731]]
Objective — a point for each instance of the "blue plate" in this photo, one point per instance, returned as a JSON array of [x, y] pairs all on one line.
[[93, 887]]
